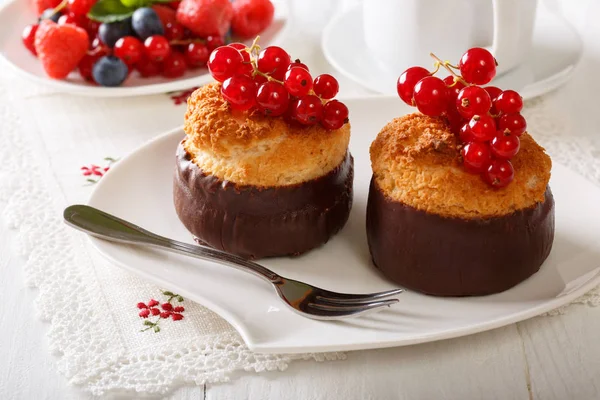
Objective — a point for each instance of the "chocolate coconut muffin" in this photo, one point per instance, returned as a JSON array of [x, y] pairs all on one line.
[[437, 229], [259, 186]]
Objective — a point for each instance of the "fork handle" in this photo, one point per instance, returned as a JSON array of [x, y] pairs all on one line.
[[106, 226]]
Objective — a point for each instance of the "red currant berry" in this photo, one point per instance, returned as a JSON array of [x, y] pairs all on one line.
[[246, 68], [152, 303], [241, 47], [505, 146], [165, 314], [81, 7], [473, 100], [86, 66], [494, 92], [298, 81], [274, 61], [272, 98], [509, 102], [465, 134], [335, 115], [259, 80], [69, 18], [454, 87], [500, 173], [326, 86], [157, 47], [482, 127], [141, 306], [407, 81], [239, 91], [477, 66], [430, 96], [455, 120], [174, 65], [179, 309], [155, 311], [28, 37], [174, 31], [167, 306], [91, 27], [477, 156], [307, 110], [224, 62], [144, 313], [196, 54], [129, 49], [297, 63], [212, 42], [514, 124], [148, 68]]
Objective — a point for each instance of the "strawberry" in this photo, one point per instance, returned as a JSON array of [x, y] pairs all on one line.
[[251, 17], [205, 17], [60, 48], [43, 5], [165, 13]]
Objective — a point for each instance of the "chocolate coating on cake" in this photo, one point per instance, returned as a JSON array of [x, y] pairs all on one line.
[[450, 256], [257, 222]]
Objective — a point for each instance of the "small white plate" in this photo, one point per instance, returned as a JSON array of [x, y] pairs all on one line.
[[16, 14], [139, 188], [556, 51]]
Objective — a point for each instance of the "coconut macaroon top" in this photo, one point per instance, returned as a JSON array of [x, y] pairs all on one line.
[[248, 148], [415, 160]]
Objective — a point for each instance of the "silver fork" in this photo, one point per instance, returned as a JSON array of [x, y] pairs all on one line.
[[308, 300]]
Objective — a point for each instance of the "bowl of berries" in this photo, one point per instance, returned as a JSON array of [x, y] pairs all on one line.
[[115, 48]]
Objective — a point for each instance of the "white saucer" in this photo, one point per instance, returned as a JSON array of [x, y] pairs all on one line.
[[139, 188], [555, 53], [16, 14]]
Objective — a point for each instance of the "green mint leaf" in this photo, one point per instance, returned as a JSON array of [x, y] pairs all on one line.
[[167, 293], [156, 328], [110, 11], [179, 299], [148, 323]]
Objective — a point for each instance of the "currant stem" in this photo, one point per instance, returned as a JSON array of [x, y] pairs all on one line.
[[61, 6], [447, 66], [269, 78]]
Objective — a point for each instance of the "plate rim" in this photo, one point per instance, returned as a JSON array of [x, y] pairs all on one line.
[[266, 348]]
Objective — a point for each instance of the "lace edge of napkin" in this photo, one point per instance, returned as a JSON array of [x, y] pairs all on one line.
[[57, 264]]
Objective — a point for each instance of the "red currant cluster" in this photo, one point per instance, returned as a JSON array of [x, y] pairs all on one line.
[[269, 81], [486, 119]]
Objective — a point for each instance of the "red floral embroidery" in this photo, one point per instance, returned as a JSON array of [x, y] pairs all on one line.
[[95, 172], [182, 96], [151, 309]]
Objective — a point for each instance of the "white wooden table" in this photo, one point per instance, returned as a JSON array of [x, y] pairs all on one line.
[[543, 358]]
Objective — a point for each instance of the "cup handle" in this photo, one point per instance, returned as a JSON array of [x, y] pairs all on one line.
[[506, 43]]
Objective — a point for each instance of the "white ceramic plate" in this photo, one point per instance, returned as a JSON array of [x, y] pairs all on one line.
[[16, 14], [556, 51], [138, 188]]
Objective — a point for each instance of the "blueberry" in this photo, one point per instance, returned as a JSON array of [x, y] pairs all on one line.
[[50, 14], [146, 23], [109, 33], [109, 71]]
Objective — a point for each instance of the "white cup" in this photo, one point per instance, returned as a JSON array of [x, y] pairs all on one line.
[[401, 33]]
